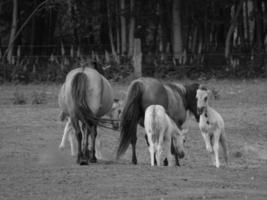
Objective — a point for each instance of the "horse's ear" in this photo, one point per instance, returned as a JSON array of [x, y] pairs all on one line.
[[213, 94], [203, 87]]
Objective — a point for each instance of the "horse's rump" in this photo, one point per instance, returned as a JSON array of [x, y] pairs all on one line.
[[81, 110]]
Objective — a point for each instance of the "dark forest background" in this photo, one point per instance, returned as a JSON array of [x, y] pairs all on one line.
[[41, 40]]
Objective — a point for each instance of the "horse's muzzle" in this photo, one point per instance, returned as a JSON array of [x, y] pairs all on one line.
[[200, 110], [181, 154]]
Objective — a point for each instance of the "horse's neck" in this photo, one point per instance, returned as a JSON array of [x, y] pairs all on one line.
[[191, 101], [177, 90]]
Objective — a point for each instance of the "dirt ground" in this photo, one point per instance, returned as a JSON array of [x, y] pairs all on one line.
[[32, 167]]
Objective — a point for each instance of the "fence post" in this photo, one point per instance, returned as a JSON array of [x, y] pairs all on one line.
[[137, 58]]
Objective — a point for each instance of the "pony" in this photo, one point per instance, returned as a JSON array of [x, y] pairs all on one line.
[[160, 131], [85, 97], [177, 99], [211, 125], [113, 114]]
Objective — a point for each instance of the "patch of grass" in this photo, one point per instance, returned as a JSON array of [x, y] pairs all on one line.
[[39, 97], [19, 98]]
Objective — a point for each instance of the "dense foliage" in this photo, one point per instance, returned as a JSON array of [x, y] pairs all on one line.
[[40, 40]]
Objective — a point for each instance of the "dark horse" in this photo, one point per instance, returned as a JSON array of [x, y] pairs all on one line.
[[85, 97], [143, 92]]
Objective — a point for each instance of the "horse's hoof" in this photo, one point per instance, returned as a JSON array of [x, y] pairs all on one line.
[[93, 160], [61, 147], [134, 162], [83, 161], [165, 162]]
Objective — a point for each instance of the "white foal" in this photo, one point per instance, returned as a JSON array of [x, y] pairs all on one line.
[[211, 125], [161, 130]]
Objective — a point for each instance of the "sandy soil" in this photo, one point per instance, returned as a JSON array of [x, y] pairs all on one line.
[[32, 167]]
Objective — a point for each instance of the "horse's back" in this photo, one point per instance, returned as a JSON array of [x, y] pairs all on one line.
[[154, 93], [99, 91]]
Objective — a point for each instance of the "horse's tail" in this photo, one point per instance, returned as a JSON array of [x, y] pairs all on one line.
[[81, 110], [224, 146], [130, 116]]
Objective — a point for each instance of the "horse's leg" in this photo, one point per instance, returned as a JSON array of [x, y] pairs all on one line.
[[216, 147], [84, 144], [93, 140], [133, 143], [168, 161], [71, 140], [174, 153], [66, 132], [79, 141], [207, 141], [152, 153], [159, 155]]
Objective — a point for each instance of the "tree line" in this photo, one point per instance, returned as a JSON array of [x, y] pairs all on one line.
[[228, 35]]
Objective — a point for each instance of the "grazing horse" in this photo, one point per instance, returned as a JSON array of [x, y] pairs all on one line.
[[85, 97], [161, 131], [211, 125], [143, 92]]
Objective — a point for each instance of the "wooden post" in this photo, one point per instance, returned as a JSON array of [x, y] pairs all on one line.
[[137, 58]]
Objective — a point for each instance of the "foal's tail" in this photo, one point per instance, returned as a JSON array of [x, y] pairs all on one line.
[[130, 116], [224, 147], [81, 110]]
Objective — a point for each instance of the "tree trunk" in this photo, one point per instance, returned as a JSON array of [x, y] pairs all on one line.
[[13, 31], [131, 29], [118, 38], [137, 58], [74, 23], [259, 23], [123, 27], [231, 29], [110, 32], [176, 30]]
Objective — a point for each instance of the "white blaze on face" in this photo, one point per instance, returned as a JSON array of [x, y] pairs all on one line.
[[202, 98]]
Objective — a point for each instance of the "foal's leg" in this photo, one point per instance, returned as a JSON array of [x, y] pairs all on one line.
[[67, 129], [152, 154], [207, 141], [216, 147], [93, 140], [71, 140], [159, 155]]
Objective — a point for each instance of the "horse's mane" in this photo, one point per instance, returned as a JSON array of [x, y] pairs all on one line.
[[180, 89], [190, 96]]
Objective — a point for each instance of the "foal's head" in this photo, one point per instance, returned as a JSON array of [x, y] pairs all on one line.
[[179, 141], [115, 113], [202, 99]]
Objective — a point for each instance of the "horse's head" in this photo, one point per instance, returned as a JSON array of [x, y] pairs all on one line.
[[202, 99], [178, 141], [115, 113]]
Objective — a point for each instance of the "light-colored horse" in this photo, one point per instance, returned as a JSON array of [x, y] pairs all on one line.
[[85, 97], [113, 114], [211, 125], [161, 130]]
